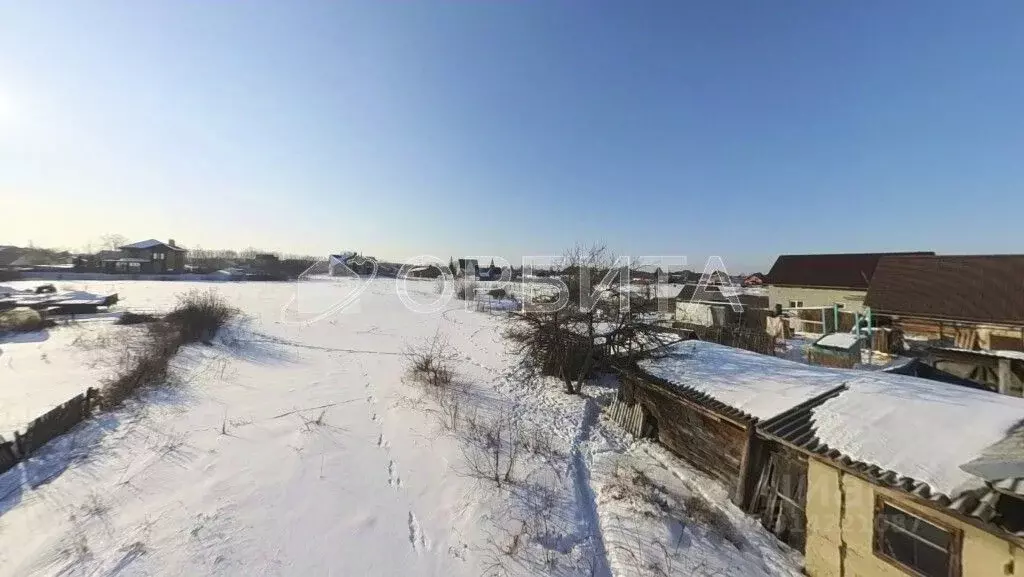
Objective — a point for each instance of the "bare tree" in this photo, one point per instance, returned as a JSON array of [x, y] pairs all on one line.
[[602, 313], [112, 241]]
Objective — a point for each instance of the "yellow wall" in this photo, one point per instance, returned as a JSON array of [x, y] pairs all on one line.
[[852, 301], [840, 515]]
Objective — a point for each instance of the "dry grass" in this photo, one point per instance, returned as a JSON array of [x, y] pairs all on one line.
[[130, 318], [197, 317], [701, 511]]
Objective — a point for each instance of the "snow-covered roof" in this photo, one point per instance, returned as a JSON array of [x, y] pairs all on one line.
[[756, 384], [838, 341], [912, 427], [916, 427], [151, 243]]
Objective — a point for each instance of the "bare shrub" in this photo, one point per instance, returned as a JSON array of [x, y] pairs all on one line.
[[493, 450], [541, 442], [430, 363], [145, 363], [451, 401], [199, 315], [130, 318], [465, 289]]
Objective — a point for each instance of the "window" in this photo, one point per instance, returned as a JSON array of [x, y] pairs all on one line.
[[796, 304], [159, 256], [919, 546]]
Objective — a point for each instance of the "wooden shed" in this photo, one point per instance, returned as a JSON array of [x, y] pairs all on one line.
[[703, 400]]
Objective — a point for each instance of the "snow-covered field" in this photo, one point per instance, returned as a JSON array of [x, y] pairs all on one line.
[[296, 445]]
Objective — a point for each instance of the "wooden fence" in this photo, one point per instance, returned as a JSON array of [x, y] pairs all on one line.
[[741, 338], [56, 422], [629, 416], [8, 457]]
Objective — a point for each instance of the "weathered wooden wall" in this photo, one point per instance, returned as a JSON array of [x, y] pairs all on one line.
[[710, 442]]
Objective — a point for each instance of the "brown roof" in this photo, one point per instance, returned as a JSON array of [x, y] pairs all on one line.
[[844, 271], [983, 289]]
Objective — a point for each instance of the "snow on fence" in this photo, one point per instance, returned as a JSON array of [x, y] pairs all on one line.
[[740, 338], [56, 422]]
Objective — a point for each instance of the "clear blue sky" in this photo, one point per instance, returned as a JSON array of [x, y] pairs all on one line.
[[745, 129]]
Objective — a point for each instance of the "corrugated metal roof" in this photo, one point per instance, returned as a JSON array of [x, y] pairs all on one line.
[[690, 394], [796, 428]]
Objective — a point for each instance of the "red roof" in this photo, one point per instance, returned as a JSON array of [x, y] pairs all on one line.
[[841, 271]]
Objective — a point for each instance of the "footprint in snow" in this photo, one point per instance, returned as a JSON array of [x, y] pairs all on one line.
[[417, 539], [394, 479]]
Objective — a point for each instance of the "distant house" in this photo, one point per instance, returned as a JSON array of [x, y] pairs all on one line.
[[708, 306], [337, 264], [683, 277], [145, 257], [351, 264], [976, 302], [754, 280], [467, 266], [824, 280], [13, 257], [428, 272]]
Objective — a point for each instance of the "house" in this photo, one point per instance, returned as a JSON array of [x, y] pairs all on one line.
[[466, 266], [755, 280], [351, 264], [824, 280], [709, 306], [865, 473], [13, 257], [975, 302], [427, 272], [337, 264], [145, 257]]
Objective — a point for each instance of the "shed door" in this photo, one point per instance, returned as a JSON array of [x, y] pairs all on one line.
[[781, 498]]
